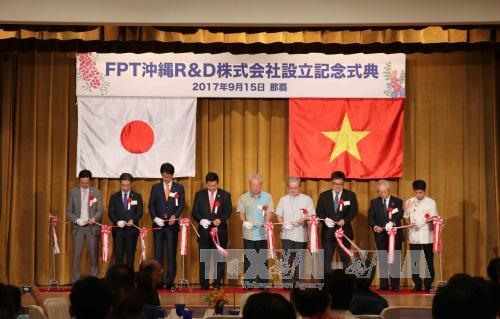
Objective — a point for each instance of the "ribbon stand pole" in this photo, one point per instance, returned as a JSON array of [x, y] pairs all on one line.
[[52, 243], [441, 282], [183, 283]]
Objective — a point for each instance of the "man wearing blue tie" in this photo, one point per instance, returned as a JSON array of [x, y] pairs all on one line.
[[337, 207], [166, 203], [125, 211]]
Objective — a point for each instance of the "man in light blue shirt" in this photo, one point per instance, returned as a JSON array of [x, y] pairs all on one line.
[[255, 208]]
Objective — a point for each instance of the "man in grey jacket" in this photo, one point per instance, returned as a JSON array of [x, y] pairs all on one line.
[[84, 209]]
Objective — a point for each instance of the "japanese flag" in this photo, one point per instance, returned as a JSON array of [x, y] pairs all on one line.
[[136, 135]]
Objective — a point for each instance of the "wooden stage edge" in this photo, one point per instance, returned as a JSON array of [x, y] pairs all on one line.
[[194, 297]]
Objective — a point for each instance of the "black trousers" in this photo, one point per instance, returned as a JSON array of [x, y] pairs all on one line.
[[292, 273], [124, 243], [207, 243], [329, 249], [257, 246], [415, 250], [166, 238], [386, 269]]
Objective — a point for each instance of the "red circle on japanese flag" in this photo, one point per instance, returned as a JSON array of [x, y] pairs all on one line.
[[137, 137]]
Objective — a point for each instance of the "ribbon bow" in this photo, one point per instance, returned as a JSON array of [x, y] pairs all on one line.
[[313, 223], [339, 233], [269, 228]]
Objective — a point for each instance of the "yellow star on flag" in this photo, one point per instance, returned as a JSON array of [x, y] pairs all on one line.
[[346, 140]]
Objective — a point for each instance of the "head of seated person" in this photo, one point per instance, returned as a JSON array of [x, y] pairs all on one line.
[[341, 288], [120, 276], [90, 298], [127, 304], [310, 298], [268, 305]]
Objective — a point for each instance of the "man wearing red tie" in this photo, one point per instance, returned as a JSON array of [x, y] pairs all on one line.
[[211, 208], [125, 210], [166, 203], [386, 212]]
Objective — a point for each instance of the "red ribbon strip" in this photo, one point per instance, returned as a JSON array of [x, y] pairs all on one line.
[[105, 231], [392, 241], [339, 233], [184, 223], [438, 227], [313, 223], [269, 227], [214, 233]]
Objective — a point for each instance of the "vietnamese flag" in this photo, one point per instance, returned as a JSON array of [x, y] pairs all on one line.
[[362, 137]]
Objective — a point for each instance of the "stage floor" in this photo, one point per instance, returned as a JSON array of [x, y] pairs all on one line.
[[194, 297]]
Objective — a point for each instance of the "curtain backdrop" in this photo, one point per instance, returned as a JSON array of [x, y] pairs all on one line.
[[450, 140]]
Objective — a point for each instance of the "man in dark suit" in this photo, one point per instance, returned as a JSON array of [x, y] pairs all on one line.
[[337, 207], [84, 209], [386, 211], [125, 210], [166, 203], [211, 208]]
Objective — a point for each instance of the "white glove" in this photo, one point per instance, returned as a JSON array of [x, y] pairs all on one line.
[[205, 223], [288, 226], [247, 225], [121, 223], [81, 222], [158, 221], [388, 226], [329, 222]]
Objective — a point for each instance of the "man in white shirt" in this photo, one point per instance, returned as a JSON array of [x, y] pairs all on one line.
[[419, 210], [293, 211]]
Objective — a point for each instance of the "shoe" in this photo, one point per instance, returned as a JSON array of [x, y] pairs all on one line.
[[395, 290], [428, 289], [216, 285], [204, 287], [417, 289]]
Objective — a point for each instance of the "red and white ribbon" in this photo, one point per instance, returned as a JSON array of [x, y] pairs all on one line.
[[389, 211], [184, 223], [269, 228], [313, 223], [129, 200], [105, 231], [392, 231], [143, 231], [339, 233], [214, 233], [438, 226], [176, 196], [341, 204], [91, 200], [216, 207], [53, 220]]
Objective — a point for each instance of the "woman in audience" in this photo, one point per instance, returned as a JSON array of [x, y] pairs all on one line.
[[147, 290], [23, 312]]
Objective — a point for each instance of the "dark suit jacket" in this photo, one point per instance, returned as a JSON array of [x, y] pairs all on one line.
[[117, 211], [378, 216], [162, 207], [201, 210], [325, 208]]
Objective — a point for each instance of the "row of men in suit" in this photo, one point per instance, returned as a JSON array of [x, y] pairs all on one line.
[[166, 203], [212, 207]]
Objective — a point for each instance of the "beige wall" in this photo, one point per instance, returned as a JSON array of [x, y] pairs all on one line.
[[254, 13]]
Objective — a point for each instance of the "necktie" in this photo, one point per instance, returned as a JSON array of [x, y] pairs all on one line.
[[336, 201], [385, 206], [212, 201], [167, 192], [125, 201]]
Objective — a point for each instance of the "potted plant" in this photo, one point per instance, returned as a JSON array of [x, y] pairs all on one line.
[[216, 298]]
